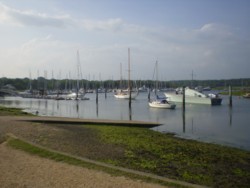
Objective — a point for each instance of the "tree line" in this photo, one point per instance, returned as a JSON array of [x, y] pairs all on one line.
[[41, 83]]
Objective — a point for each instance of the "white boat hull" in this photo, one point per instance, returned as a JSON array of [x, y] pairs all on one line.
[[123, 95], [74, 96], [173, 97], [158, 104]]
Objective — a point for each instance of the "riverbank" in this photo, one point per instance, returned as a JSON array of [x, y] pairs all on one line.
[[140, 149]]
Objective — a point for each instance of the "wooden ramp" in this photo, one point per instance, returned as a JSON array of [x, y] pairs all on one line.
[[61, 120]]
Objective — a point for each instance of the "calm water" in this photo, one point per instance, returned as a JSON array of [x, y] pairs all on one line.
[[217, 124]]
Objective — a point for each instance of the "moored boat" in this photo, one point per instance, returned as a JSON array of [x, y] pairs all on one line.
[[247, 95], [193, 96], [129, 93], [124, 94], [161, 103]]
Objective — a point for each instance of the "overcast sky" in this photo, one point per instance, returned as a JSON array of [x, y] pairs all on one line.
[[209, 37]]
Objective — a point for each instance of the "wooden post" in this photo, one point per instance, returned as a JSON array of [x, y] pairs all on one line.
[[148, 94], [77, 108], [129, 104], [184, 121], [230, 96], [96, 91], [97, 110], [183, 109], [105, 93], [183, 99], [130, 114]]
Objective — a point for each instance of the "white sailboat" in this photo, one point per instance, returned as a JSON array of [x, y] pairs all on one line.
[[160, 102], [79, 93], [126, 94]]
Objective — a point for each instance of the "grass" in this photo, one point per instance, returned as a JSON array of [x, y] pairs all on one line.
[[6, 111], [22, 145], [237, 91], [186, 160]]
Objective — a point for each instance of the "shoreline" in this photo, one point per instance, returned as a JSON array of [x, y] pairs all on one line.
[[136, 148]]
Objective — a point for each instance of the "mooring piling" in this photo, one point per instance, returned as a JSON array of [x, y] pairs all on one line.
[[183, 99], [96, 91], [230, 96], [148, 94]]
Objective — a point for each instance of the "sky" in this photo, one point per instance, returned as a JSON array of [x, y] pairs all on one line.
[[210, 38]]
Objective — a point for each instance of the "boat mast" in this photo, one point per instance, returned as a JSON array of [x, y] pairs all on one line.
[[129, 69], [156, 80], [78, 74], [120, 75], [30, 85], [129, 87]]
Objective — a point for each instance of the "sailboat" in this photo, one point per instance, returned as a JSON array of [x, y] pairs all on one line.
[[128, 93], [80, 93], [160, 102]]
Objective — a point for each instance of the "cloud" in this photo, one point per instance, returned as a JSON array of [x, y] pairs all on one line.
[[215, 31], [213, 47], [110, 24], [33, 42], [33, 18]]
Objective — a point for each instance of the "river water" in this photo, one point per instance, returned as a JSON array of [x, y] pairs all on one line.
[[216, 124]]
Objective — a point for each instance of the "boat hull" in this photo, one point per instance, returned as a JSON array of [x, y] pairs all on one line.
[[247, 96], [126, 95], [155, 104], [173, 97]]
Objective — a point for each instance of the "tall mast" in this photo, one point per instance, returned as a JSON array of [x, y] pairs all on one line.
[[129, 69], [78, 73], [121, 75], [156, 70], [129, 87], [30, 85]]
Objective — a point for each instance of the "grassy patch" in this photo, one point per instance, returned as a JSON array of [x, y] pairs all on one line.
[[5, 111], [145, 150], [186, 160], [19, 144], [235, 93]]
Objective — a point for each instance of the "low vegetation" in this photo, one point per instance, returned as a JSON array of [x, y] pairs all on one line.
[[6, 111], [235, 93], [22, 145], [186, 160]]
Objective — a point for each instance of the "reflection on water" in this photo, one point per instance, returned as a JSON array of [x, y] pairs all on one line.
[[220, 124], [97, 110], [184, 120], [230, 116], [130, 113]]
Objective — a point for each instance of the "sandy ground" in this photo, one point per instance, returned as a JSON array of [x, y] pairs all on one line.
[[20, 169]]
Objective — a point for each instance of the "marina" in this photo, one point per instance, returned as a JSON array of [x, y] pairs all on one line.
[[215, 124]]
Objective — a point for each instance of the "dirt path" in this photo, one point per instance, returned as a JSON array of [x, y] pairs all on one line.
[[19, 169]]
